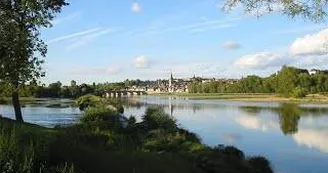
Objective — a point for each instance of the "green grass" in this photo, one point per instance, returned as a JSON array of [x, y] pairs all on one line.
[[90, 159], [23, 100], [218, 95], [94, 160], [258, 97]]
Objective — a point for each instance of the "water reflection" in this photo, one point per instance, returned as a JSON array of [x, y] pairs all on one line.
[[313, 138], [312, 132], [293, 136], [42, 112], [289, 114], [256, 123]]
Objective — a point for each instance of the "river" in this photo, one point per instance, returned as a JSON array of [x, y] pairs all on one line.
[[294, 137]]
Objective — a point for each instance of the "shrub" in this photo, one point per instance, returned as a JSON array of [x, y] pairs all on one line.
[[156, 118], [178, 141], [101, 117], [190, 136], [299, 92], [2, 101], [88, 101], [131, 121], [18, 157], [162, 141], [14, 158], [260, 165], [116, 105]]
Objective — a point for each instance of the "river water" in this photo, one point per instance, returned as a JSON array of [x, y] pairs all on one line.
[[294, 137]]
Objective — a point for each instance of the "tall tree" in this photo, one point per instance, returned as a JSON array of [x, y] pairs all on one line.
[[21, 48]]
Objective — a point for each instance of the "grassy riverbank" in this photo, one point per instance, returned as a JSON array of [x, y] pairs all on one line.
[[257, 97], [104, 141]]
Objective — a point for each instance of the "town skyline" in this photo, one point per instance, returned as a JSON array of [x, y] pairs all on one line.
[[202, 78]]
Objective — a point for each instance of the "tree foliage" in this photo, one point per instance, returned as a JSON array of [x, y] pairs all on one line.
[[314, 10], [21, 48], [288, 82]]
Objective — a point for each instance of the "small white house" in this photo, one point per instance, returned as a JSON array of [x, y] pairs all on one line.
[[313, 71]]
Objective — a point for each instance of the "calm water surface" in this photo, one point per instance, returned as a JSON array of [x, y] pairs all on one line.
[[293, 137], [39, 113]]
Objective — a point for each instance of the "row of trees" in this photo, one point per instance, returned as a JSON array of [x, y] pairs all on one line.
[[289, 81], [58, 90], [53, 90]]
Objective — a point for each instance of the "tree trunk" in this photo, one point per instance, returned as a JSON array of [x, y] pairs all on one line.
[[16, 103]]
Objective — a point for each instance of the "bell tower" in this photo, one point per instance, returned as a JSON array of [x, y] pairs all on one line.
[[171, 83]]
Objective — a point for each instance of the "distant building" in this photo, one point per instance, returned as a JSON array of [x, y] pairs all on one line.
[[171, 80], [177, 85], [315, 71]]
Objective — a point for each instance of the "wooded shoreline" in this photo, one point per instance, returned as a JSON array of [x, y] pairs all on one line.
[[254, 97]]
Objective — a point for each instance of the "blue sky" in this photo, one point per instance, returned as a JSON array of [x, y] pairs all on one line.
[[111, 41]]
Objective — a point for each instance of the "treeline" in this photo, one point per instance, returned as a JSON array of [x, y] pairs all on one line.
[[53, 90], [289, 82], [58, 90]]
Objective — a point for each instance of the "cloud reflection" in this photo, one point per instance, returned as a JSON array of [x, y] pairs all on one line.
[[256, 123], [313, 138], [309, 134]]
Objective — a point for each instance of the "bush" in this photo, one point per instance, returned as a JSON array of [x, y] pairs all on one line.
[[101, 117], [156, 118], [13, 157], [260, 165], [2, 101], [299, 92], [115, 105], [88, 101], [132, 121], [190, 136], [17, 157], [159, 140]]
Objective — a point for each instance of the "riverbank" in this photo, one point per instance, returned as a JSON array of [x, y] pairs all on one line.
[[256, 97], [105, 141]]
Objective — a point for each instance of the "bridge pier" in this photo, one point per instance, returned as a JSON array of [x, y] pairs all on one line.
[[114, 94]]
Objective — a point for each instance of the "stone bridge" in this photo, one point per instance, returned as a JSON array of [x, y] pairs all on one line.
[[120, 93]]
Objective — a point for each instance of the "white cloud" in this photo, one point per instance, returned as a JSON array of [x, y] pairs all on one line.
[[215, 27], [260, 61], [70, 17], [136, 7], [312, 62], [189, 69], [315, 44], [141, 62], [88, 38], [95, 70], [193, 28], [232, 45], [73, 35], [161, 69], [299, 29]]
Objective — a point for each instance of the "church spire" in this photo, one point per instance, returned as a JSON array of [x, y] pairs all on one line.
[[171, 82]]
